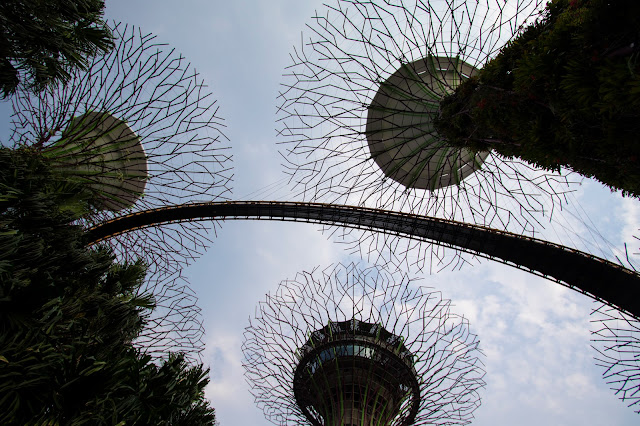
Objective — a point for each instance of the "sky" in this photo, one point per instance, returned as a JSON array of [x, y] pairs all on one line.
[[535, 334]]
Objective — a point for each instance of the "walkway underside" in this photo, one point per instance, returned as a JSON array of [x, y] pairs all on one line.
[[598, 278]]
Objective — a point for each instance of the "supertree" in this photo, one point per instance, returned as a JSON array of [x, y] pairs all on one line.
[[349, 345], [358, 102], [357, 111], [616, 339], [139, 129]]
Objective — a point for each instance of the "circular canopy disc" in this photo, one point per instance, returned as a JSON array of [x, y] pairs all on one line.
[[107, 151], [400, 132]]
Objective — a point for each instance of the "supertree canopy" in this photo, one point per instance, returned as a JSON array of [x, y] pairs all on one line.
[[139, 129], [358, 103], [615, 336], [399, 133], [360, 346]]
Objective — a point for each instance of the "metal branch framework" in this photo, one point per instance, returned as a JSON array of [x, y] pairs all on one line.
[[140, 130], [333, 327], [616, 339], [357, 104], [175, 325]]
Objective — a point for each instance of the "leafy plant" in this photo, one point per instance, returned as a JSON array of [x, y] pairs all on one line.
[[564, 93]]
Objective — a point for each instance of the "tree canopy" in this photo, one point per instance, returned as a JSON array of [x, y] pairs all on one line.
[[41, 41], [564, 93], [69, 316]]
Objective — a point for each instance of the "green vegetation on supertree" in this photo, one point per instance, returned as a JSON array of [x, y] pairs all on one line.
[[564, 93], [42, 42], [70, 317]]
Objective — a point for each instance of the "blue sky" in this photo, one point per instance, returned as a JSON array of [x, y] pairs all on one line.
[[535, 334]]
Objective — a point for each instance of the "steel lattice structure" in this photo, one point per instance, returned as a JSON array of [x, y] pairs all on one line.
[[139, 129], [337, 327], [616, 339], [175, 324], [357, 104]]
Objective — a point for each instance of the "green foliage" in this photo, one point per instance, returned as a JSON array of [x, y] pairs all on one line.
[[42, 40], [68, 316], [564, 93]]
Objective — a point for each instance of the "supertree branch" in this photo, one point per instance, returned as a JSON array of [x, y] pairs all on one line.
[[335, 325], [175, 324], [615, 337], [139, 129], [357, 106]]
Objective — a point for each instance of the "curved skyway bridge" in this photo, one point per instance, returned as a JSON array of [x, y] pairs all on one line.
[[598, 278]]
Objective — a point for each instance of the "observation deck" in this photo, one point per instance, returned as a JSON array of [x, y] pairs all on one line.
[[354, 373]]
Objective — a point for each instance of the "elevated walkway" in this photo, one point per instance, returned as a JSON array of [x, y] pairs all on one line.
[[598, 278]]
